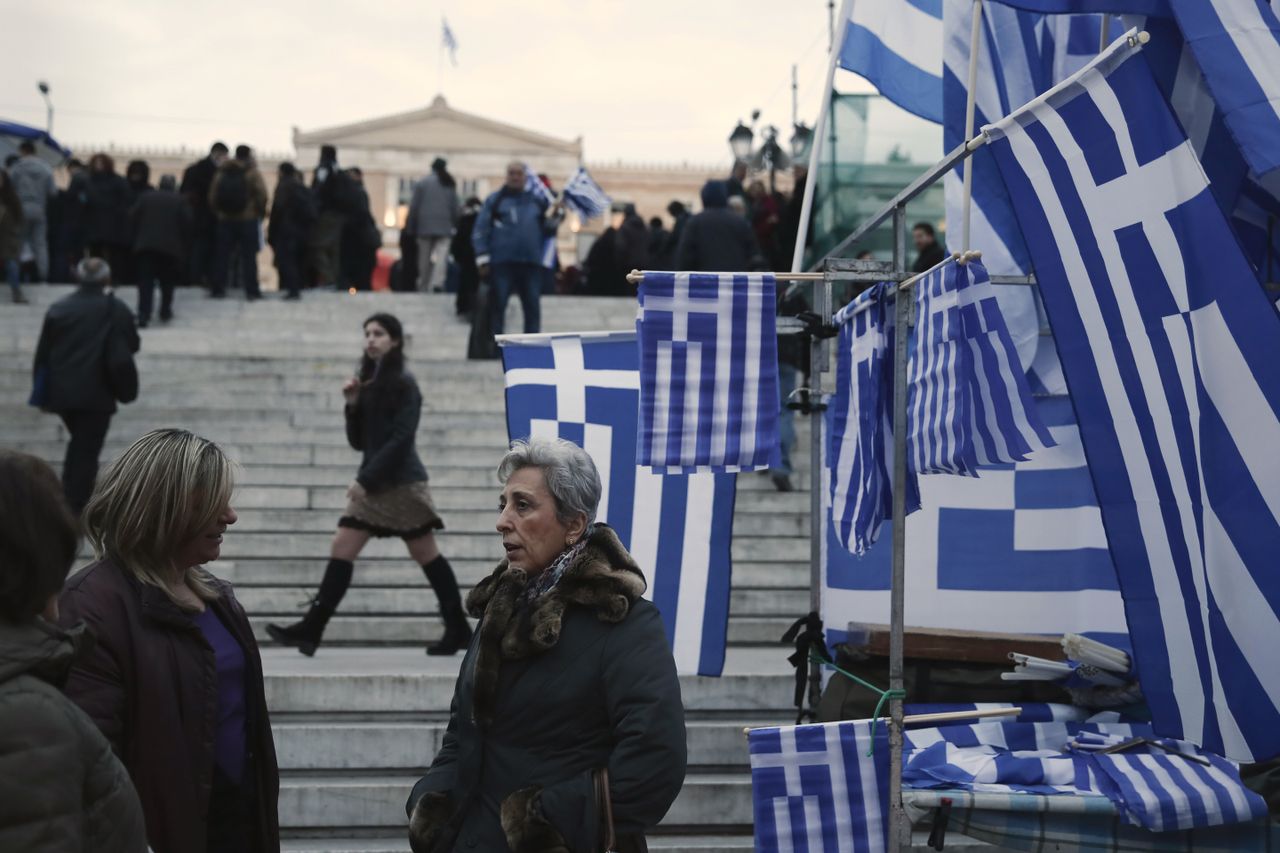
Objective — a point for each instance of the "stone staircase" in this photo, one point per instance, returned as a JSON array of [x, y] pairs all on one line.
[[357, 724]]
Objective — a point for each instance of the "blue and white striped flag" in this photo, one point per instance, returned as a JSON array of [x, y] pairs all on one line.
[[1020, 548], [1172, 353], [448, 41], [969, 403], [815, 788], [708, 372], [860, 452], [533, 184], [678, 528], [1237, 44], [584, 196], [897, 45]]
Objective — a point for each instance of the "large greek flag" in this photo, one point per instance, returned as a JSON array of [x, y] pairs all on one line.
[[969, 402], [678, 528], [584, 196], [1172, 354], [1237, 44], [708, 372], [1020, 548], [896, 44]]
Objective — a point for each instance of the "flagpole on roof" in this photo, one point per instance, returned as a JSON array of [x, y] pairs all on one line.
[[819, 131], [970, 108]]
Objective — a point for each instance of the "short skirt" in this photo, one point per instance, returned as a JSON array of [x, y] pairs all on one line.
[[404, 512]]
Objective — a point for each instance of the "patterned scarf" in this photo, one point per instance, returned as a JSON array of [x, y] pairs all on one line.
[[546, 580]]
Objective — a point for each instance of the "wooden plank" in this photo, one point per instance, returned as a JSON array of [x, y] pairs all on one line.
[[956, 646]]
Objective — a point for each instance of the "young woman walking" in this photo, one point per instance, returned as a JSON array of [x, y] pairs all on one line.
[[389, 496]]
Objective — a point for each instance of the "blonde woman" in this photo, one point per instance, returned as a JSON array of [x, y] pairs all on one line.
[[175, 681]]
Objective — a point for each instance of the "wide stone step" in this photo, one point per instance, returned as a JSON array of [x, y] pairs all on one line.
[[421, 602], [400, 571], [405, 681], [709, 843], [465, 545], [416, 631], [315, 745], [714, 800]]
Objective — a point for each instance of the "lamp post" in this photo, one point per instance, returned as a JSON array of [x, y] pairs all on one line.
[[48, 107], [801, 140], [740, 141], [771, 157]]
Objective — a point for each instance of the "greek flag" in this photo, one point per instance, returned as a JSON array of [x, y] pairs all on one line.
[[896, 44], [1237, 44], [708, 372], [1172, 354], [1021, 548], [583, 195], [860, 453], [816, 788], [448, 42], [678, 528], [533, 184], [969, 401]]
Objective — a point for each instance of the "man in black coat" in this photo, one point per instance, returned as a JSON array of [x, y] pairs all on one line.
[[293, 213], [71, 362], [929, 253], [717, 239], [196, 181], [161, 226]]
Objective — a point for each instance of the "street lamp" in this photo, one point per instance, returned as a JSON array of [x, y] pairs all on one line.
[[740, 141], [771, 157], [48, 106]]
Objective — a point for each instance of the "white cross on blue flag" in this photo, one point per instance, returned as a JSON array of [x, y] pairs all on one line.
[[708, 372], [1172, 354], [584, 196], [677, 527]]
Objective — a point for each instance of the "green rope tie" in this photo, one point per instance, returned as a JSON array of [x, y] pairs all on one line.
[[884, 695]]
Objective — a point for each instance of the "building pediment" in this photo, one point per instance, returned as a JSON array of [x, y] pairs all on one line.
[[438, 128]]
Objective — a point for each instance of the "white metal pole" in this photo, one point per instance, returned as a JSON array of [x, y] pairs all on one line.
[[974, 35], [899, 824], [1104, 36], [819, 130]]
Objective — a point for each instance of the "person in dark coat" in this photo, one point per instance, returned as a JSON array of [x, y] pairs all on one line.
[[293, 214], [680, 217], [659, 236], [107, 212], [361, 237], [68, 223], [928, 252], [70, 360], [789, 227], [161, 226], [196, 181], [717, 239], [602, 265], [389, 498], [464, 255], [333, 202], [632, 251], [238, 196], [11, 237], [567, 707], [62, 789], [138, 176], [175, 680]]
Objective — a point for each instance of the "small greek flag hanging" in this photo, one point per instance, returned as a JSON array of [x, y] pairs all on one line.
[[969, 403], [584, 196], [533, 184], [708, 372]]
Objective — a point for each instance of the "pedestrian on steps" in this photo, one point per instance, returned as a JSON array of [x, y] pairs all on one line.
[[175, 679], [389, 497], [11, 238], [566, 730]]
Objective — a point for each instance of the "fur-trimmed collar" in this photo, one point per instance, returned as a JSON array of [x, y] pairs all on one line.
[[603, 578]]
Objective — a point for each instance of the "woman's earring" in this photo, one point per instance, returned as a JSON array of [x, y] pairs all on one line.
[[571, 541]]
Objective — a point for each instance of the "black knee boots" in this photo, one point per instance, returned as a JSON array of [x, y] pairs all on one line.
[[457, 631], [305, 635]]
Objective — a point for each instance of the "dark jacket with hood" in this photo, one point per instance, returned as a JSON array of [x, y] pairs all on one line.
[[151, 685], [107, 209], [72, 349], [550, 694], [161, 222], [383, 425], [62, 789], [717, 239]]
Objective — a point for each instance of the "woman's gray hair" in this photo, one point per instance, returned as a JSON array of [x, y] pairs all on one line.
[[570, 473]]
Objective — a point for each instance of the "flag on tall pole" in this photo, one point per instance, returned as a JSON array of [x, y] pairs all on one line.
[[585, 388], [896, 44], [1172, 354], [448, 42], [583, 195]]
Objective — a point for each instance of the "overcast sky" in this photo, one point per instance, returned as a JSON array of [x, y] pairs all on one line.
[[653, 81]]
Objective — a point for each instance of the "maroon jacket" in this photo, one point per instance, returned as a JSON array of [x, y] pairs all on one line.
[[151, 686]]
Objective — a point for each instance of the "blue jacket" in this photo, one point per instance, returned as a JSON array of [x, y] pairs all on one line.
[[511, 228]]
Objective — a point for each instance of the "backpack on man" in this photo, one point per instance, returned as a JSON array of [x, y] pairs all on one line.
[[232, 194]]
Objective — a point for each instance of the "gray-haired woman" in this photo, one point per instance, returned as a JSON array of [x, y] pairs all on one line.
[[567, 730]]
